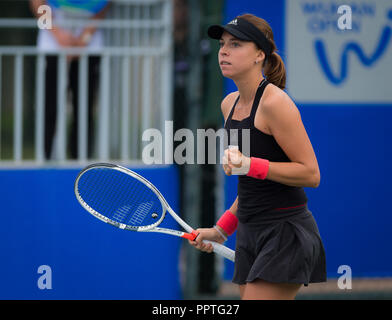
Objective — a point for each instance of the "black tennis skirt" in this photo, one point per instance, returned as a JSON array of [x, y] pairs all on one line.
[[283, 246]]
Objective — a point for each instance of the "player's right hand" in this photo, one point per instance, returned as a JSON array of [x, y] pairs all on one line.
[[206, 234]]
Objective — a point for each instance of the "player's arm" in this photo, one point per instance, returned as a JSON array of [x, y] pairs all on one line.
[[234, 206], [285, 124], [233, 220], [281, 118], [217, 233]]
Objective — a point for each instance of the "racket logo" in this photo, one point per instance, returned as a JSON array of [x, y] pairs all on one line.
[[121, 213], [140, 214]]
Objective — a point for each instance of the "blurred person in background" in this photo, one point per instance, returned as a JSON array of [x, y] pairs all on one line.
[[58, 37]]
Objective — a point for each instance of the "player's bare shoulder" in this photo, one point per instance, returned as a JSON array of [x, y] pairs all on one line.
[[275, 102], [227, 103], [276, 111]]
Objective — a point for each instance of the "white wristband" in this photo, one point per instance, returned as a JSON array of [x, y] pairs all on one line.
[[220, 232]]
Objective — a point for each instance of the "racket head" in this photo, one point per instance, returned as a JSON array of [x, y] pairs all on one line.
[[120, 197]]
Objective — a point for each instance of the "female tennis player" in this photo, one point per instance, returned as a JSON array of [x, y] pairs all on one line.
[[278, 245]]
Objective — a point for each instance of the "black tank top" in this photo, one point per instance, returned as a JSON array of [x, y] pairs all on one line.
[[256, 196]]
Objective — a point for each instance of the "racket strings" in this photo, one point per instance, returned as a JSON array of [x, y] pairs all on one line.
[[104, 194], [107, 194], [120, 197], [119, 188], [100, 180], [104, 197], [113, 189]]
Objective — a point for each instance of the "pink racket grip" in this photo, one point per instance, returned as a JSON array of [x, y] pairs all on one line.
[[228, 222], [258, 168]]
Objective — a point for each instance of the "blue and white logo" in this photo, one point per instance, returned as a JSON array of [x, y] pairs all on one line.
[[327, 64]]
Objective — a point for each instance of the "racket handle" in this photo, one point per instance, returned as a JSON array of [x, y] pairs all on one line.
[[222, 250]]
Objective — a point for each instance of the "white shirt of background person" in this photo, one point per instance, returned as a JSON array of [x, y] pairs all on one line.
[[60, 12]]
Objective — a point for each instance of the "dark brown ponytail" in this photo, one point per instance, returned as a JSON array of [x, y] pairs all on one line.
[[275, 71], [273, 67]]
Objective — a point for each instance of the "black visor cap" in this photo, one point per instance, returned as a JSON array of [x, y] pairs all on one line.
[[242, 30], [216, 31]]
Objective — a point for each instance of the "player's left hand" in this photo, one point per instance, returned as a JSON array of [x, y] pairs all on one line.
[[234, 159]]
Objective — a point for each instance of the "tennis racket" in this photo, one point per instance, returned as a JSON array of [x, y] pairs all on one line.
[[126, 200]]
